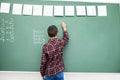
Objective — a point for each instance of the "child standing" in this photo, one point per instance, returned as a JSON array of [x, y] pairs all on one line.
[[52, 64]]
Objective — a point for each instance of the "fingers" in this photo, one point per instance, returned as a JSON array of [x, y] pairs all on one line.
[[63, 24]]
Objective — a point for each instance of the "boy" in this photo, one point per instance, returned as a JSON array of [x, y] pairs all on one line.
[[52, 64]]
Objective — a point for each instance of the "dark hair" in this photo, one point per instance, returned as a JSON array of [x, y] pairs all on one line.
[[52, 31]]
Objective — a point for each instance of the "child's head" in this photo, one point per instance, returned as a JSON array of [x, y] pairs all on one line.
[[52, 31]]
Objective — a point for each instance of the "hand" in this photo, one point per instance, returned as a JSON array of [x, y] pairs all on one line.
[[64, 26]]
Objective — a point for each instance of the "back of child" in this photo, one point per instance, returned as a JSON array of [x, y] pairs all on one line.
[[52, 64]]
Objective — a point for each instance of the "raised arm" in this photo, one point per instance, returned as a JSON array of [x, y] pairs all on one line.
[[65, 34]]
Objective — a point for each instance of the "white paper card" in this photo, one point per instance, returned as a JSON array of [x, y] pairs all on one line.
[[58, 10], [102, 10], [69, 10], [48, 10], [81, 11], [17, 9], [27, 9], [37, 10], [91, 10], [5, 7]]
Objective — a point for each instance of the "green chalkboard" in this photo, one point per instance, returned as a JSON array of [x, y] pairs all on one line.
[[94, 44]]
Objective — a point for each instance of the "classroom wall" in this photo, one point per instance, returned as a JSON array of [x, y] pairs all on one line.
[[68, 76], [12, 75], [93, 47]]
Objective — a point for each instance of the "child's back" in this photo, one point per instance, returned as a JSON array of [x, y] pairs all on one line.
[[52, 62]]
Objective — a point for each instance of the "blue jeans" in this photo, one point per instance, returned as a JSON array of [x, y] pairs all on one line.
[[59, 76]]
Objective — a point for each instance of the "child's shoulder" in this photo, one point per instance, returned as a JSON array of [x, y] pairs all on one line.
[[60, 39], [44, 46]]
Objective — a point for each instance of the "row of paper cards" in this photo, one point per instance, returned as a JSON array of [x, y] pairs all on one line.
[[54, 10]]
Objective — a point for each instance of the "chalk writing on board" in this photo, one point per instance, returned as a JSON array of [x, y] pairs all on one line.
[[39, 36], [58, 22], [7, 30]]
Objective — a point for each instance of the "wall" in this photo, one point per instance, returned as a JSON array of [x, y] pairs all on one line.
[[12, 75], [68, 76], [90, 48]]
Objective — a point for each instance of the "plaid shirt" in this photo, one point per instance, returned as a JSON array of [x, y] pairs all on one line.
[[52, 62]]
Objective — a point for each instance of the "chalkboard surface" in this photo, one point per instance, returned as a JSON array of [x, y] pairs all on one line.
[[94, 44]]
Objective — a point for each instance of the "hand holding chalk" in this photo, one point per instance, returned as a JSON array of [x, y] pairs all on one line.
[[64, 26]]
